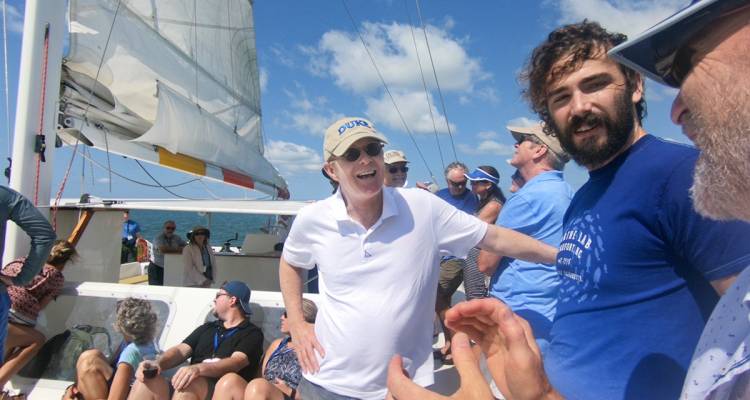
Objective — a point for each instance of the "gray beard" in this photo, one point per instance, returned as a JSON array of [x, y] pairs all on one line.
[[721, 189]]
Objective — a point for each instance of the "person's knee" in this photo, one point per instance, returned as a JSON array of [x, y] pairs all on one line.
[[258, 387], [197, 389], [89, 360], [230, 381]]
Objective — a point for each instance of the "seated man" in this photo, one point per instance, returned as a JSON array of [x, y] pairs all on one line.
[[230, 344]]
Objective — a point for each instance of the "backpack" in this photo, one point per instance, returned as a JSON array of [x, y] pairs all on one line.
[[57, 358]]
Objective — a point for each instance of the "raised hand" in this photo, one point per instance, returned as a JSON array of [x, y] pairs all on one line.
[[513, 358], [473, 386]]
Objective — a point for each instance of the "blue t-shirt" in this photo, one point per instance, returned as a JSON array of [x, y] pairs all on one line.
[[133, 354], [635, 263], [129, 229], [467, 202], [530, 289]]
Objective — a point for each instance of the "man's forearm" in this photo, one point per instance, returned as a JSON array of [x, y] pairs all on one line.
[[509, 243], [222, 367], [28, 218], [172, 358]]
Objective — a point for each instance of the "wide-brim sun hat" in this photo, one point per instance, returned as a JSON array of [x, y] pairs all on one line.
[[656, 53]]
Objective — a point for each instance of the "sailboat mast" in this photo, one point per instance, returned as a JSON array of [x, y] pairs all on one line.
[[36, 111]]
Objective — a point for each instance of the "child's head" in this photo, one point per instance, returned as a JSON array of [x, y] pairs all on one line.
[[135, 320], [62, 251]]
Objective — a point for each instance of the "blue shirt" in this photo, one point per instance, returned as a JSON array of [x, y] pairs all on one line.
[[467, 202], [129, 229], [530, 289], [635, 263]]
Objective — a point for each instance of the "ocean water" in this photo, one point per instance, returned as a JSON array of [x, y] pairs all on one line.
[[223, 226]]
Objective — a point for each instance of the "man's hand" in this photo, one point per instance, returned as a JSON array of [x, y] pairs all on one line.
[[305, 345], [185, 376], [473, 385], [507, 341]]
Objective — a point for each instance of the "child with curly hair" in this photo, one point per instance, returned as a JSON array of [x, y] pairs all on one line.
[[97, 378]]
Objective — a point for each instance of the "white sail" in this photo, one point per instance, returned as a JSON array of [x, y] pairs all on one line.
[[173, 82]]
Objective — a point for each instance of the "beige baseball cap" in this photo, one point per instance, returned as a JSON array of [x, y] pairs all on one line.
[[344, 132], [538, 131], [394, 156]]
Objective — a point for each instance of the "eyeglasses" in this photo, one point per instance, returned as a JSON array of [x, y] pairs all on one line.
[[393, 170], [372, 149], [526, 137], [169, 228], [221, 294], [457, 184], [284, 314], [478, 182]]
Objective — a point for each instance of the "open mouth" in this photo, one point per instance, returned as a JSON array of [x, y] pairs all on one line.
[[588, 124], [366, 175]]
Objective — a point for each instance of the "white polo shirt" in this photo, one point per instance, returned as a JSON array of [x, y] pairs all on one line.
[[378, 285]]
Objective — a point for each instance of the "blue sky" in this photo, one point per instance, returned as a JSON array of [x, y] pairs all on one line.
[[314, 69]]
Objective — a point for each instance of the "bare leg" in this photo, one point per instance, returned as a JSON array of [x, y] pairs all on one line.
[[230, 387], [196, 390], [151, 389], [261, 389], [93, 372], [28, 340]]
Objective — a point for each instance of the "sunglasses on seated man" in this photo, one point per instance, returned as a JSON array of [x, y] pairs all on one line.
[[372, 149], [393, 170]]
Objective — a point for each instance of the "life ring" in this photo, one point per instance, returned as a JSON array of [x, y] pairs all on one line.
[[141, 248]]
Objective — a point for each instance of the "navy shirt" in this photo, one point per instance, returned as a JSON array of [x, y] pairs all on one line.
[[635, 263]]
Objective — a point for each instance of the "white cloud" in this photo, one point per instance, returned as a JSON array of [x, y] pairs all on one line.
[[263, 79], [308, 115], [490, 147], [343, 57], [291, 158], [413, 107], [102, 180], [486, 135], [625, 16], [282, 55], [522, 122], [15, 19]]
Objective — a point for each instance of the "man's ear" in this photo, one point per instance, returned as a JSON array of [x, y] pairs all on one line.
[[540, 151], [638, 90], [330, 170]]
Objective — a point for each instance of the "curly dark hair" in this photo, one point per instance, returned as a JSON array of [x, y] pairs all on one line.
[[577, 42], [135, 318]]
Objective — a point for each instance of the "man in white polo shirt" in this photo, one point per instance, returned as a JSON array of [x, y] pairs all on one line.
[[377, 250]]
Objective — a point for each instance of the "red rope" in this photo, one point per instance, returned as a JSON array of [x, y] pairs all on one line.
[[40, 131]]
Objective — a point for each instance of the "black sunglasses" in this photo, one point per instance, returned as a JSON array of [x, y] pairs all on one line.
[[170, 228], [371, 149], [457, 184], [525, 137], [393, 170]]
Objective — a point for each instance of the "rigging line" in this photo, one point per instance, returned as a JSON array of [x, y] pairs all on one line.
[[195, 43], [424, 85], [5, 72], [101, 60], [61, 189], [437, 83], [205, 187], [39, 146], [137, 182], [159, 183], [385, 86], [109, 161]]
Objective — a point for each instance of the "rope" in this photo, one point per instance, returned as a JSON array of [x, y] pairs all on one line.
[[424, 85], [40, 131], [58, 196], [385, 86], [437, 83], [158, 183]]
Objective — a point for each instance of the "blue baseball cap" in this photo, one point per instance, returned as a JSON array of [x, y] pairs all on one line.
[[481, 175], [656, 53], [242, 292]]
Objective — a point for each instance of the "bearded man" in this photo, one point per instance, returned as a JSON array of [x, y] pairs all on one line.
[[636, 260]]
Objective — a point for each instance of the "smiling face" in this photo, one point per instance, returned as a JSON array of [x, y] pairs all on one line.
[[592, 110], [713, 107], [397, 178], [456, 181], [361, 179]]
